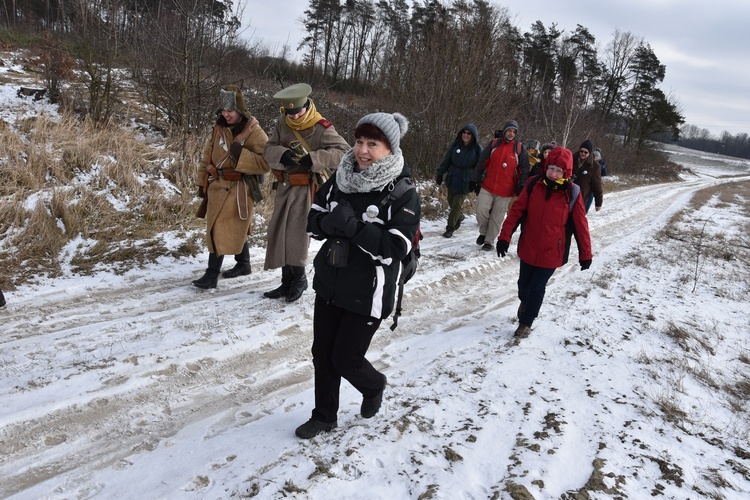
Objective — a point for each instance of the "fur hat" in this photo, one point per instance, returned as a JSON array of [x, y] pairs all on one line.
[[545, 147], [231, 99], [588, 146], [563, 158], [532, 144], [393, 126]]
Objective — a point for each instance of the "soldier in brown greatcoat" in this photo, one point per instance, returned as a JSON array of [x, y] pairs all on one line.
[[301, 144], [229, 176]]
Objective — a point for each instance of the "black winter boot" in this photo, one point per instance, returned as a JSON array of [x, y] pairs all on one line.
[[286, 283], [242, 267], [299, 283], [2, 299], [211, 277]]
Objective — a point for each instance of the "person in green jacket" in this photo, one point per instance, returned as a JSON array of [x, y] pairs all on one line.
[[458, 163]]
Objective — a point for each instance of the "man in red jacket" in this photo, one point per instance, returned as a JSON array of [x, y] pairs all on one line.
[[550, 211], [498, 177]]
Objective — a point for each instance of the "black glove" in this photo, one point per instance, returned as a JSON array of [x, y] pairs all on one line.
[[306, 161], [585, 264], [201, 194], [342, 221], [502, 248], [234, 150], [286, 159], [473, 186], [439, 179]]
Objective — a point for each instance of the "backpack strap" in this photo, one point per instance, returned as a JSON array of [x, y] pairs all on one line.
[[403, 185]]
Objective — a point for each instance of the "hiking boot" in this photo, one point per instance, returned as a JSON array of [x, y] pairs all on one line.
[[488, 247], [239, 269], [448, 234], [480, 239], [522, 331], [299, 283], [313, 427], [521, 309], [286, 283], [371, 406]]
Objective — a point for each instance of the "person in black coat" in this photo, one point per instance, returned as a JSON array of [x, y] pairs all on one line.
[[358, 266]]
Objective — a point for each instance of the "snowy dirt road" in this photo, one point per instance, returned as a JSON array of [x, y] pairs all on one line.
[[100, 370]]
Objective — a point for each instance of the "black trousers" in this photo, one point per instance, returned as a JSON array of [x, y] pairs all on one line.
[[340, 342]]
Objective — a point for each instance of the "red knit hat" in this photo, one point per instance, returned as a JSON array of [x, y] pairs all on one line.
[[563, 158]]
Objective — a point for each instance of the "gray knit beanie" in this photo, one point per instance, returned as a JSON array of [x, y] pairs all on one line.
[[393, 126]]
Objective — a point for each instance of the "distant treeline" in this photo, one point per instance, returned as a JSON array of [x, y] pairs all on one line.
[[442, 64]]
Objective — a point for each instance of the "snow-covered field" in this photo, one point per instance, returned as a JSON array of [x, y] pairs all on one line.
[[631, 384]]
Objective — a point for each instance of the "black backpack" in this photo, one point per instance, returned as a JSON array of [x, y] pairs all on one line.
[[409, 263]]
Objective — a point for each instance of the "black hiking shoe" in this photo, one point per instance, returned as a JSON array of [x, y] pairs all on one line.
[[313, 427], [371, 406], [448, 234], [237, 270], [480, 239], [487, 247]]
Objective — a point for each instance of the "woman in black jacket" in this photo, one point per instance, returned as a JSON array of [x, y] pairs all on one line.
[[367, 234]]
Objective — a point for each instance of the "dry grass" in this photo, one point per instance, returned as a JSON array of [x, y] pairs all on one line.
[[63, 179]]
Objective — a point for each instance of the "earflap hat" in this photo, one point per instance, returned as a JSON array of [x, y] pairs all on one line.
[[231, 99]]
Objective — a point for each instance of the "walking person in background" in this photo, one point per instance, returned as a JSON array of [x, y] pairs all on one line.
[[302, 143], [588, 174], [228, 176], [458, 163], [366, 235], [498, 177], [552, 211], [532, 147], [539, 168]]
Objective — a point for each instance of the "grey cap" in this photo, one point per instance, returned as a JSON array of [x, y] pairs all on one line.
[[510, 124], [393, 126]]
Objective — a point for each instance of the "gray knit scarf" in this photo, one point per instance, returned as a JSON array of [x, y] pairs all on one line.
[[374, 178]]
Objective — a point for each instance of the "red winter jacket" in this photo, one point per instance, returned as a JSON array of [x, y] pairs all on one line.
[[545, 241], [502, 176]]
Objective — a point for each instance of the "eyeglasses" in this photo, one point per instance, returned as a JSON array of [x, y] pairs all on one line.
[[555, 168], [583, 152]]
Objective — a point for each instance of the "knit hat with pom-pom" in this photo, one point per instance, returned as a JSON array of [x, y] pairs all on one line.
[[392, 125]]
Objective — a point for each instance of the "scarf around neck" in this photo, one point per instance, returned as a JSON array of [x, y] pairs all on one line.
[[374, 178], [305, 121]]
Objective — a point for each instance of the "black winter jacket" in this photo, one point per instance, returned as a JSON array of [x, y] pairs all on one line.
[[369, 282]]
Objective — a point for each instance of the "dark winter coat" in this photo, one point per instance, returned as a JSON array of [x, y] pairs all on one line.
[[588, 175], [369, 282], [546, 234], [460, 160]]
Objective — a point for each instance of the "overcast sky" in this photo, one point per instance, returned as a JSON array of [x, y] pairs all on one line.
[[704, 45]]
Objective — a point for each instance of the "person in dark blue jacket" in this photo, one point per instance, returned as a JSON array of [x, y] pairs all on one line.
[[366, 235], [458, 164]]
